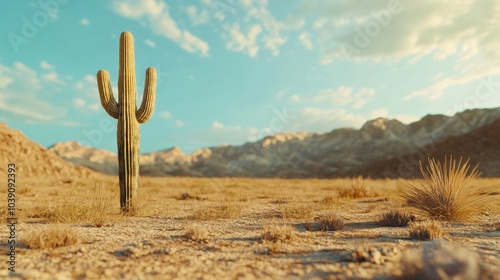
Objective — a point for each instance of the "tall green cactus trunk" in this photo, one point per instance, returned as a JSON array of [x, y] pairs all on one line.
[[125, 110]]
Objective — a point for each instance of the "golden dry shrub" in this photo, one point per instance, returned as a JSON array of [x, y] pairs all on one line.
[[197, 233], [51, 237], [395, 218], [426, 230], [447, 191], [331, 222], [278, 233]]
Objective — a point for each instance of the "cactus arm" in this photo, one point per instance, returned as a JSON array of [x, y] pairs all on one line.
[[108, 101], [148, 99]]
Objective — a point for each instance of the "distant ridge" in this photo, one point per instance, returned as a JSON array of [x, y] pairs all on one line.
[[339, 153], [481, 146]]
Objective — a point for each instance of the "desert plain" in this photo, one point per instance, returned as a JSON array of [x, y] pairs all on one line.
[[240, 228]]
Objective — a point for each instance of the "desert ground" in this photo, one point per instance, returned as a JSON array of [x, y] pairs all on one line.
[[236, 228]]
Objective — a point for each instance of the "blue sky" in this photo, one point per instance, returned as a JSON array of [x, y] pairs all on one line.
[[232, 71]]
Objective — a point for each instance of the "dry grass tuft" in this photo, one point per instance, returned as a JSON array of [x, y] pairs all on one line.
[[51, 237], [144, 208], [198, 234], [101, 206], [358, 189], [329, 201], [296, 211], [278, 233], [446, 192], [426, 230], [331, 222], [225, 210], [187, 196], [395, 218]]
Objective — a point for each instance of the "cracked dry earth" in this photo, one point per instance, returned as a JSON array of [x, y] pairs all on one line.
[[159, 243]]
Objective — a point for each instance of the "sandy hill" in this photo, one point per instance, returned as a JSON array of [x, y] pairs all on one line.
[[32, 160]]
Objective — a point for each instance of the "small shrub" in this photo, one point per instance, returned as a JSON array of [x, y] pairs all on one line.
[[426, 230], [51, 237], [395, 218], [331, 222], [278, 233], [358, 189], [446, 192], [196, 233]]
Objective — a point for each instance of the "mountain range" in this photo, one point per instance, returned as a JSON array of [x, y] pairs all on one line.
[[380, 148]]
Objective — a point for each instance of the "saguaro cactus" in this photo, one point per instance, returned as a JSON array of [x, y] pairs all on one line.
[[125, 110]]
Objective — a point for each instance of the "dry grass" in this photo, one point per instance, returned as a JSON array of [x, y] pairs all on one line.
[[187, 196], [446, 192], [101, 205], [51, 237], [358, 189], [278, 233], [96, 210], [426, 230], [331, 222], [395, 218], [197, 233], [224, 210], [329, 201], [298, 211]]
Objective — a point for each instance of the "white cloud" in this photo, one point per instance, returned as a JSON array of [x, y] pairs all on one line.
[[165, 115], [270, 28], [413, 30], [273, 43], [197, 18], [21, 96], [305, 39], [240, 43], [294, 98], [46, 66], [84, 21], [467, 74], [339, 96], [319, 23], [79, 102], [86, 89], [150, 43], [321, 120], [5, 81], [346, 95], [52, 77], [179, 123], [217, 125], [362, 97], [157, 16], [379, 113]]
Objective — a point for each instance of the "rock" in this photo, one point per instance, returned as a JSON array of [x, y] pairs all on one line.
[[443, 260], [440, 259]]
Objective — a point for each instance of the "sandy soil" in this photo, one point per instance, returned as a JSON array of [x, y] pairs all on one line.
[[158, 245]]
